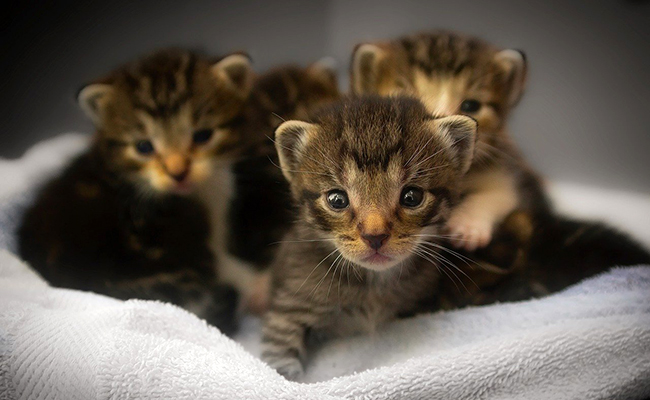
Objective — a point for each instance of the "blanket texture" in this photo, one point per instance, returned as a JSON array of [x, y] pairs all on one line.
[[591, 341]]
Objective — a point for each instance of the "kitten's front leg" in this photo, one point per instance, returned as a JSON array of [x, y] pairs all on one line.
[[492, 196], [284, 333]]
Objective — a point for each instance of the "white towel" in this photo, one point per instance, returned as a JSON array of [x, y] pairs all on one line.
[[591, 341]]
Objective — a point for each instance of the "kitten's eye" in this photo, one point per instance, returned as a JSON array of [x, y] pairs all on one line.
[[470, 106], [202, 136], [411, 197], [144, 147], [338, 199]]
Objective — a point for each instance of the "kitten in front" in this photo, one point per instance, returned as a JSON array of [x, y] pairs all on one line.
[[364, 248], [120, 220]]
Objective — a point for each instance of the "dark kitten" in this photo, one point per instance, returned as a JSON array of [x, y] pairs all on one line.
[[260, 209], [119, 220]]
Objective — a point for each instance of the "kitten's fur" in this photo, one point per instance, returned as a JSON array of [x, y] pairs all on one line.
[[444, 70], [118, 220], [259, 205], [358, 267], [533, 251]]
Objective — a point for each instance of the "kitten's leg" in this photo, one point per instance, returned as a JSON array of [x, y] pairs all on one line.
[[284, 333], [492, 195]]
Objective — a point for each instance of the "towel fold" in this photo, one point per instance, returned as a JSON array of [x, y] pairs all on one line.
[[591, 341]]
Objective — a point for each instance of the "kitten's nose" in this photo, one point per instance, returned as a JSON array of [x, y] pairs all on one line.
[[177, 166], [375, 241], [180, 177]]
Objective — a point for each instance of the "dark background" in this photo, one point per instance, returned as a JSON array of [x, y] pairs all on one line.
[[584, 118]]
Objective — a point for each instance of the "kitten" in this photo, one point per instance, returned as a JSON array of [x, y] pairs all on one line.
[[259, 205], [364, 248], [120, 219], [532, 251], [456, 74]]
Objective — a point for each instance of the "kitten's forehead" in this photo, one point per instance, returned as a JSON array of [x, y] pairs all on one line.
[[380, 142], [448, 53], [162, 83]]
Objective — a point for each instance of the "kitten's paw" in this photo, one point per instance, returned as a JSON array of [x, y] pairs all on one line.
[[290, 368], [468, 232]]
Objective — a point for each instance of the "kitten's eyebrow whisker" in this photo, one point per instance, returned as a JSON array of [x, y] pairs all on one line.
[[418, 152], [301, 172], [277, 115], [298, 153]]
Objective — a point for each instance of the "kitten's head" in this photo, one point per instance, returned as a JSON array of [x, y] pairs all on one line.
[[376, 175], [450, 73], [293, 92], [164, 120]]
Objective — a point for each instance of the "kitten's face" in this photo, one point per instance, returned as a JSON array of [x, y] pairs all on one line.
[[450, 73], [164, 121], [375, 176]]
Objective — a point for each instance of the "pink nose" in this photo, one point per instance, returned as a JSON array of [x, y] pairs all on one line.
[[375, 241]]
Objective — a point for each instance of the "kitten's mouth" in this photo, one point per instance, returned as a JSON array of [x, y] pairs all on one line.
[[377, 258], [184, 188]]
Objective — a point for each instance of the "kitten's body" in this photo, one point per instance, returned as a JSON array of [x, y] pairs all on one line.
[[250, 201], [355, 268], [120, 219]]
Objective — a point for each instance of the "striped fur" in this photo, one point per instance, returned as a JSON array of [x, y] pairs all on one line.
[[446, 69], [119, 222], [325, 277]]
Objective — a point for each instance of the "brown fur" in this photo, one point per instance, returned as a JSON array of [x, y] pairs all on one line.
[[117, 221], [444, 69], [326, 276]]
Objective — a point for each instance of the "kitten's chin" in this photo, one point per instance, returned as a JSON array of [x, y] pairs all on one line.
[[378, 262]]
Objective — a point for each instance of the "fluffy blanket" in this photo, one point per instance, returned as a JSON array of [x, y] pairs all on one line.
[[591, 341]]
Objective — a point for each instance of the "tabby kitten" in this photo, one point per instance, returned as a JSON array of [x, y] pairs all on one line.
[[259, 205], [120, 219], [456, 74], [532, 251], [364, 247]]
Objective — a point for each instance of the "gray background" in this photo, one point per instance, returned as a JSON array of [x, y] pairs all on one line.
[[584, 118]]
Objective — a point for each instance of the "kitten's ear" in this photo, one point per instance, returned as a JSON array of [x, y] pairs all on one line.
[[93, 100], [366, 68], [460, 131], [235, 71], [324, 70], [290, 140], [513, 64]]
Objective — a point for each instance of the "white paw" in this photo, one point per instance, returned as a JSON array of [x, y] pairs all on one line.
[[469, 232], [290, 368]]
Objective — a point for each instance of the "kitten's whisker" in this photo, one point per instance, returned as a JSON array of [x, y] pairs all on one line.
[[313, 291], [446, 263], [425, 257], [464, 258], [334, 275], [312, 271], [454, 265]]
